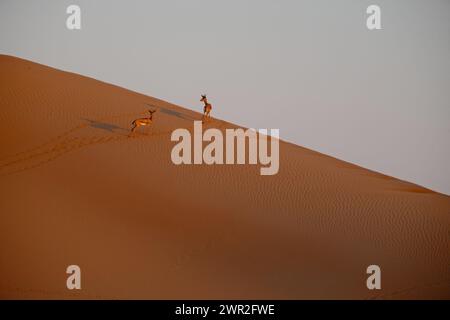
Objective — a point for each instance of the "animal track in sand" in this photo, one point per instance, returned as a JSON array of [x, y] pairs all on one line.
[[60, 145], [73, 139]]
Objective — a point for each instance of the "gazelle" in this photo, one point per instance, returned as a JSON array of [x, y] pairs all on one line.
[[207, 108], [143, 121]]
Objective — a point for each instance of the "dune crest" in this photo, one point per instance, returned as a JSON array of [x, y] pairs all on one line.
[[77, 189]]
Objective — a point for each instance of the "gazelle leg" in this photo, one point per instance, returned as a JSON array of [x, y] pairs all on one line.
[[133, 128]]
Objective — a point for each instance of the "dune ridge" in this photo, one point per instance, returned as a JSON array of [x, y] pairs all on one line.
[[76, 189]]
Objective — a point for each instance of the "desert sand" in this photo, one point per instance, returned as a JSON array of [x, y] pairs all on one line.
[[76, 189]]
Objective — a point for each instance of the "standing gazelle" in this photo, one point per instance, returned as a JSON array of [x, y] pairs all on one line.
[[207, 108], [143, 121]]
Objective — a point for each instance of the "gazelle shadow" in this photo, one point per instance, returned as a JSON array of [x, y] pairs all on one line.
[[104, 126], [176, 114]]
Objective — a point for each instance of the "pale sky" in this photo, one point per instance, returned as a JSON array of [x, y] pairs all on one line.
[[379, 99]]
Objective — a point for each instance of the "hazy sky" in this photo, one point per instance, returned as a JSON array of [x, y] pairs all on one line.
[[380, 99]]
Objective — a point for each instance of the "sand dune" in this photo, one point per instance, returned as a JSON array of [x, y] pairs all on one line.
[[76, 189]]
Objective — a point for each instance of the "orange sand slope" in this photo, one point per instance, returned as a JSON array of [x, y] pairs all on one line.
[[75, 189]]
